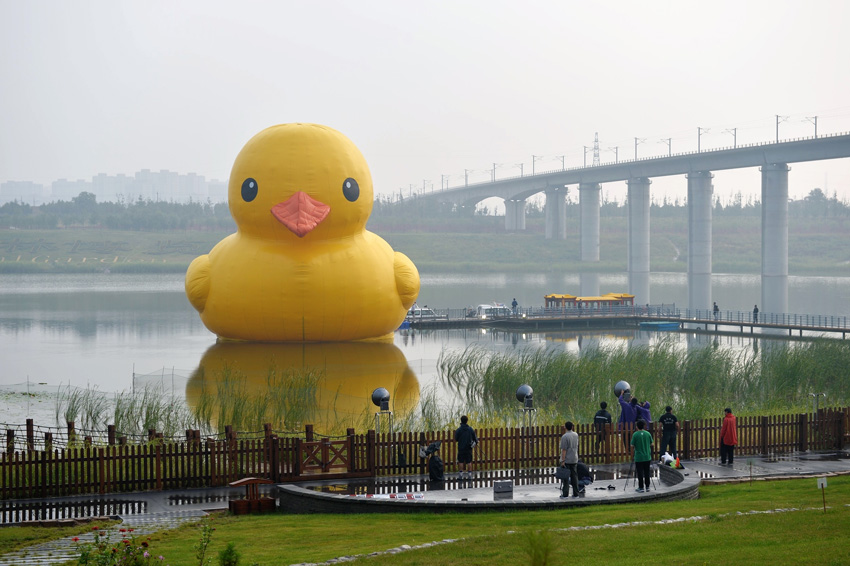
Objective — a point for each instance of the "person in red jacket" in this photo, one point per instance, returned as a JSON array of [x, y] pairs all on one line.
[[728, 437]]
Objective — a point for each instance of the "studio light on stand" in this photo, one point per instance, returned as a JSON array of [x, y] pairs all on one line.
[[525, 395], [381, 399]]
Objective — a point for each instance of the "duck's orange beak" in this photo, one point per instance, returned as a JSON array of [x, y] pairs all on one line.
[[300, 213]]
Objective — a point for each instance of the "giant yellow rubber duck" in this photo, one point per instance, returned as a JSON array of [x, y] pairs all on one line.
[[301, 266]]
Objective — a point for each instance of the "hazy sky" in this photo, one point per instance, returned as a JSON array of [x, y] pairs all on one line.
[[424, 89]]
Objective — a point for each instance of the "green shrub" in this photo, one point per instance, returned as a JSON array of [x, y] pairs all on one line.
[[229, 556]]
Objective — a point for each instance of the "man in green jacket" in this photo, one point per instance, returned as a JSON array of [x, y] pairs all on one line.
[[642, 446]]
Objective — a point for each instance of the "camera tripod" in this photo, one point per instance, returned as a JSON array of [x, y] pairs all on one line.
[[634, 478]]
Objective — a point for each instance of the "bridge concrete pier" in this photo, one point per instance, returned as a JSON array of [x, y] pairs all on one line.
[[588, 200], [699, 239], [638, 260], [589, 208], [515, 215], [555, 213], [774, 238]]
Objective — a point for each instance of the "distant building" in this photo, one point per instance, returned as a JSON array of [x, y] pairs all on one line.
[[116, 188], [146, 185], [24, 192], [217, 190]]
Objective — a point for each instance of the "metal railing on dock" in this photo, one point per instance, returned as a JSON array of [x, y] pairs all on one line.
[[533, 318]]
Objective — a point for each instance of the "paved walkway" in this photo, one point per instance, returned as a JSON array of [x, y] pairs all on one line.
[[153, 511], [144, 512]]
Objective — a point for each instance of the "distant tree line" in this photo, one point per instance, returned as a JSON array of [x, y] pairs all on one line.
[[411, 215], [393, 215], [83, 211]]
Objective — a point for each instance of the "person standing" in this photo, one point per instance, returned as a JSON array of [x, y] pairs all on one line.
[[628, 416], [642, 447], [728, 437], [466, 440], [716, 311], [601, 419], [643, 413], [669, 431], [755, 313], [569, 459], [514, 305]]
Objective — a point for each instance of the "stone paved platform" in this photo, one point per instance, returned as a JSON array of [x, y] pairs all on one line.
[[535, 489], [458, 494]]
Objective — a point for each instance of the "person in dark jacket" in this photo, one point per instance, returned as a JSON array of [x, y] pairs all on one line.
[[585, 477], [435, 463], [728, 437], [669, 431], [466, 440], [600, 420]]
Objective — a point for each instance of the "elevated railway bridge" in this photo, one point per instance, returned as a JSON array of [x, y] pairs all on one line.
[[772, 159]]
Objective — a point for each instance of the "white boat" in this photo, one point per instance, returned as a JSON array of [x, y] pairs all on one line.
[[424, 313], [496, 310]]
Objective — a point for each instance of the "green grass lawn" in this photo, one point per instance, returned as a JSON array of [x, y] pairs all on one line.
[[718, 529], [815, 247], [14, 537]]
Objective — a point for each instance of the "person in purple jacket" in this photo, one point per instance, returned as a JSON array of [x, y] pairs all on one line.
[[628, 416], [644, 414]]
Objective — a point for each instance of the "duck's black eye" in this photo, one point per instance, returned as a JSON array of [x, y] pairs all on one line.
[[249, 189], [351, 189]]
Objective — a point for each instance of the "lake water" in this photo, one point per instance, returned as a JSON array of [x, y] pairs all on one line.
[[116, 332]]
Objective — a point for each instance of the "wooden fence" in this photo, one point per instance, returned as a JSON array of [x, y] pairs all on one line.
[[87, 468]]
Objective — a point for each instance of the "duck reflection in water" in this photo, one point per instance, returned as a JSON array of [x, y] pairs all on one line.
[[328, 384]]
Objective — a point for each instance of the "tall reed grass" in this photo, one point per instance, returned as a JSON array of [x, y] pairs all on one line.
[[133, 413], [777, 378], [698, 383], [288, 401], [151, 408]]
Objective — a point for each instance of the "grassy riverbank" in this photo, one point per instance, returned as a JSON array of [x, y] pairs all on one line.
[[816, 247], [740, 523], [488, 539], [89, 251]]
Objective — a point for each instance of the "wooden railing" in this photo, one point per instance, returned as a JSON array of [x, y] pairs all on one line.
[[158, 465]]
